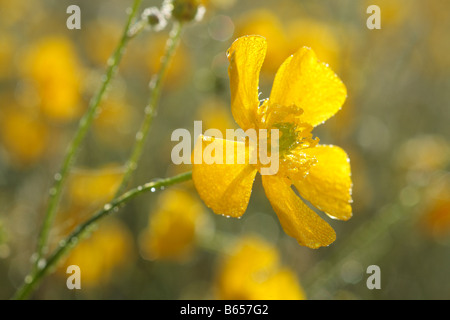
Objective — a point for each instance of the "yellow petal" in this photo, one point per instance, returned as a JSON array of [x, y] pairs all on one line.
[[296, 218], [328, 184], [246, 56], [309, 84], [225, 188]]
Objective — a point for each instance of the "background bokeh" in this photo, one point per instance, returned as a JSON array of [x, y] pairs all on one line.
[[168, 245]]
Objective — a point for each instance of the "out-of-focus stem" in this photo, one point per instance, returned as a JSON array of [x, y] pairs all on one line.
[[150, 109], [33, 280], [84, 125]]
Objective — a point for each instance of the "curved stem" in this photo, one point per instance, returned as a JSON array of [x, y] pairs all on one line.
[[31, 281], [85, 123], [150, 109]]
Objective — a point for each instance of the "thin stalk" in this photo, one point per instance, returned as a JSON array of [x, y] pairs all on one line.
[[150, 109], [85, 123], [65, 246]]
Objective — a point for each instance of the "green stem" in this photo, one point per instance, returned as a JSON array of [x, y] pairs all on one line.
[[85, 123], [150, 110], [33, 280]]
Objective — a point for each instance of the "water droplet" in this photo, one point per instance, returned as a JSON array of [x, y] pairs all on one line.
[[28, 279], [139, 135], [52, 191], [152, 189], [41, 264], [132, 165], [107, 207], [34, 257], [58, 177], [139, 188], [62, 243]]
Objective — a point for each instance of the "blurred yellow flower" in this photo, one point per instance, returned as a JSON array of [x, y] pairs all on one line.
[[436, 216], [215, 115], [108, 248], [89, 187], [265, 23], [437, 219], [285, 38], [426, 152], [172, 229], [252, 271], [317, 35], [23, 136], [52, 65], [305, 93]]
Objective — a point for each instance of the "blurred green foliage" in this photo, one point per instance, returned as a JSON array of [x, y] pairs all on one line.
[[394, 126]]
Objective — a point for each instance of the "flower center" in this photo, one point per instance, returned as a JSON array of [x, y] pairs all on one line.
[[294, 136], [293, 133]]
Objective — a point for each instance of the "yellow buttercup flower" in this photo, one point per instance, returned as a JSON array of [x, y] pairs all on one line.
[[172, 229], [253, 271], [435, 220], [317, 35], [24, 136], [53, 67], [109, 248], [265, 23], [89, 187], [284, 37], [305, 93], [214, 114]]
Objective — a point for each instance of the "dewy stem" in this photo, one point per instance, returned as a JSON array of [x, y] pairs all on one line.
[[150, 110], [31, 281], [85, 123]]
